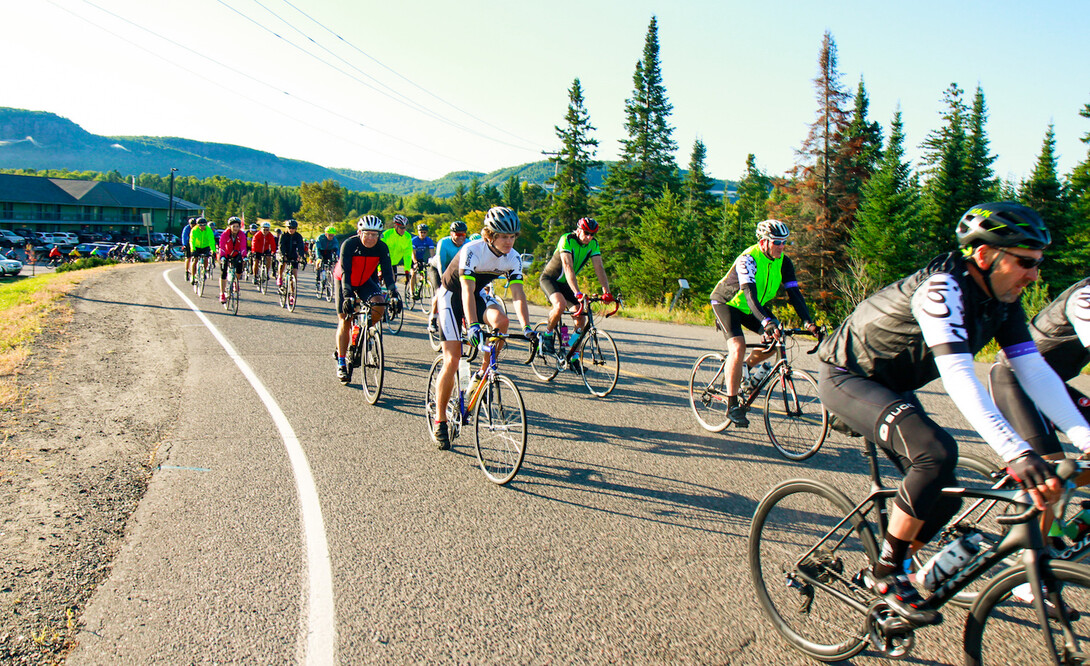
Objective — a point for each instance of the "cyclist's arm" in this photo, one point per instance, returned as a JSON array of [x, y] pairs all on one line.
[[469, 299], [600, 271], [938, 308], [1077, 310], [1048, 392], [522, 310], [567, 265], [794, 294], [746, 268]]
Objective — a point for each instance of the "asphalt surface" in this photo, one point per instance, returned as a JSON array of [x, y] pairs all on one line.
[[622, 540]]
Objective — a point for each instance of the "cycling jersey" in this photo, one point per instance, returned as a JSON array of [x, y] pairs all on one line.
[[422, 248], [400, 245], [291, 247], [1062, 330], [264, 242], [200, 239], [477, 262], [233, 245], [580, 254], [444, 253], [359, 264], [326, 247], [185, 235], [754, 279]]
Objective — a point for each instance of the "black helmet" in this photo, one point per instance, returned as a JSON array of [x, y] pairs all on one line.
[[458, 227], [1003, 224], [292, 224]]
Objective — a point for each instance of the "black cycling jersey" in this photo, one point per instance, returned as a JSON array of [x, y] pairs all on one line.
[[1054, 332], [291, 247]]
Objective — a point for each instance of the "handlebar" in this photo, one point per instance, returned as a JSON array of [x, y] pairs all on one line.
[[582, 306], [788, 332], [1066, 470]]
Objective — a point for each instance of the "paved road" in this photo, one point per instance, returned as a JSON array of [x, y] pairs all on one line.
[[622, 540]]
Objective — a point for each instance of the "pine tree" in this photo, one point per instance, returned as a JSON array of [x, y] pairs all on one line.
[[945, 158], [700, 207], [980, 184], [1078, 183], [571, 187], [1044, 193], [646, 166], [512, 193], [665, 252], [750, 208], [858, 154]]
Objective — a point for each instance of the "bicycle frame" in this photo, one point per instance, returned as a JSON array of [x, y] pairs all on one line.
[[588, 326], [781, 369]]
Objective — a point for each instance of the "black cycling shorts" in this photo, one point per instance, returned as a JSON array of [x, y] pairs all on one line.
[[202, 252], [731, 320], [551, 286], [236, 260], [361, 293], [185, 251], [1023, 415]]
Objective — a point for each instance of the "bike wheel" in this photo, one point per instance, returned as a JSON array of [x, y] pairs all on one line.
[[708, 392], [327, 287], [798, 562], [263, 281], [545, 365], [426, 293], [431, 410], [373, 364], [795, 419], [202, 277], [599, 362], [1003, 628], [499, 420], [435, 339], [293, 292], [232, 295], [394, 317]]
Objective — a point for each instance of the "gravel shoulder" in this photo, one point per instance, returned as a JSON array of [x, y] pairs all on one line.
[[77, 454]]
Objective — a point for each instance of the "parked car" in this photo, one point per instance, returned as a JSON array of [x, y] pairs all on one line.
[[11, 239], [143, 253], [68, 237], [527, 261], [9, 267]]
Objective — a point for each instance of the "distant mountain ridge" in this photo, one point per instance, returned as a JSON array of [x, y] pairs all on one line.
[[43, 140]]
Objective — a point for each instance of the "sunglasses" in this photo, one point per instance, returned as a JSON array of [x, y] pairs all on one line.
[[1022, 260], [778, 242]]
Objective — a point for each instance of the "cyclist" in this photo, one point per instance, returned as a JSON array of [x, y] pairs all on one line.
[[741, 299], [74, 254], [356, 278], [462, 296], [55, 256], [423, 251], [290, 250], [201, 241], [186, 230], [262, 247], [927, 326], [437, 265], [325, 253], [233, 249], [558, 277], [401, 246]]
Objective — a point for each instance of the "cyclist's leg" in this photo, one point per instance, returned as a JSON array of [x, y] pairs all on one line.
[[450, 331], [560, 296], [223, 276], [342, 322], [492, 315], [730, 321]]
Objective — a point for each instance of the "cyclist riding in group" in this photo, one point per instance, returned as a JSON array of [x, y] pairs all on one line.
[[573, 250], [437, 265], [401, 246], [462, 296], [233, 249], [926, 326], [262, 247], [290, 251], [423, 250], [741, 299], [362, 256], [201, 241], [186, 230], [325, 253]]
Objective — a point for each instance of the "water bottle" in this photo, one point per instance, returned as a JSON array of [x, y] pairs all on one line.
[[463, 376], [948, 560], [746, 378], [1079, 526], [356, 329], [759, 373], [563, 334]]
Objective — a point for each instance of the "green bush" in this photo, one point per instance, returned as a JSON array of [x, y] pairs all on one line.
[[85, 262]]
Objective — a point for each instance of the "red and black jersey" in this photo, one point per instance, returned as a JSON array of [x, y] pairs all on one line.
[[359, 263]]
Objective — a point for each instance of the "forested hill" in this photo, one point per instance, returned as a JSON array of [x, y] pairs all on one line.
[[43, 140]]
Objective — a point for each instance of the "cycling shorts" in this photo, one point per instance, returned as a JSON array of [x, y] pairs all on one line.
[[290, 263], [236, 261], [1023, 415], [451, 313], [362, 293], [186, 252], [731, 320], [922, 450], [551, 286], [202, 252]]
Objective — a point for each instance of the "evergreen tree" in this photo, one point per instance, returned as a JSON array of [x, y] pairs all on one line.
[[571, 187], [1078, 253], [1044, 193], [700, 207], [945, 158], [980, 184], [646, 165], [665, 251], [889, 216], [512, 193], [858, 155], [749, 209], [473, 198]]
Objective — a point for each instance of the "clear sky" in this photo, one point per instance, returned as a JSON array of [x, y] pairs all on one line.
[[426, 88]]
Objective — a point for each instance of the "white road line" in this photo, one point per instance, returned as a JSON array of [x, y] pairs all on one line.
[[321, 627]]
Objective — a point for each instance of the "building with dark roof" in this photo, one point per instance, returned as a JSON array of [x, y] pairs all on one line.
[[61, 204]]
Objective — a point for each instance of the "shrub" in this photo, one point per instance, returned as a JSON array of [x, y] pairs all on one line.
[[85, 262]]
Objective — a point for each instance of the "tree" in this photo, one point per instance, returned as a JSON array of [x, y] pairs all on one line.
[[858, 153], [750, 208], [512, 193], [882, 247], [980, 184], [699, 207], [1044, 193], [665, 250], [322, 203], [473, 198], [571, 187], [945, 161], [646, 166], [1078, 253]]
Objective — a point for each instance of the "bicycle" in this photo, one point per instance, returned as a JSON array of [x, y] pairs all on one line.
[[808, 544], [394, 315], [233, 289], [594, 357], [323, 283], [288, 289], [796, 421], [491, 403], [365, 350], [200, 276]]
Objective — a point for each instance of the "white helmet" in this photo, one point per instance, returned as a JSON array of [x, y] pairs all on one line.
[[369, 223], [772, 230], [501, 220]]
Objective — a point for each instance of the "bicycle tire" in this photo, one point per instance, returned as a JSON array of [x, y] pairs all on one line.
[[263, 280], [601, 371], [394, 318], [1018, 637], [796, 421], [374, 364], [430, 409], [202, 277], [426, 294], [435, 338], [293, 292], [327, 287], [232, 293], [499, 422], [545, 365], [792, 519], [708, 392]]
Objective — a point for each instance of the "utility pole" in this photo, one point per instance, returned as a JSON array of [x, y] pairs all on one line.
[[170, 210]]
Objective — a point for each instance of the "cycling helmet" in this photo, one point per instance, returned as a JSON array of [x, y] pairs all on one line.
[[201, 220], [369, 223], [292, 224], [266, 225], [400, 220], [330, 230], [501, 220], [421, 227], [458, 227], [234, 220], [253, 227], [1003, 224], [772, 230], [588, 224]]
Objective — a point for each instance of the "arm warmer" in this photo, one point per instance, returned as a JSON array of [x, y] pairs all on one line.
[[1045, 388]]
